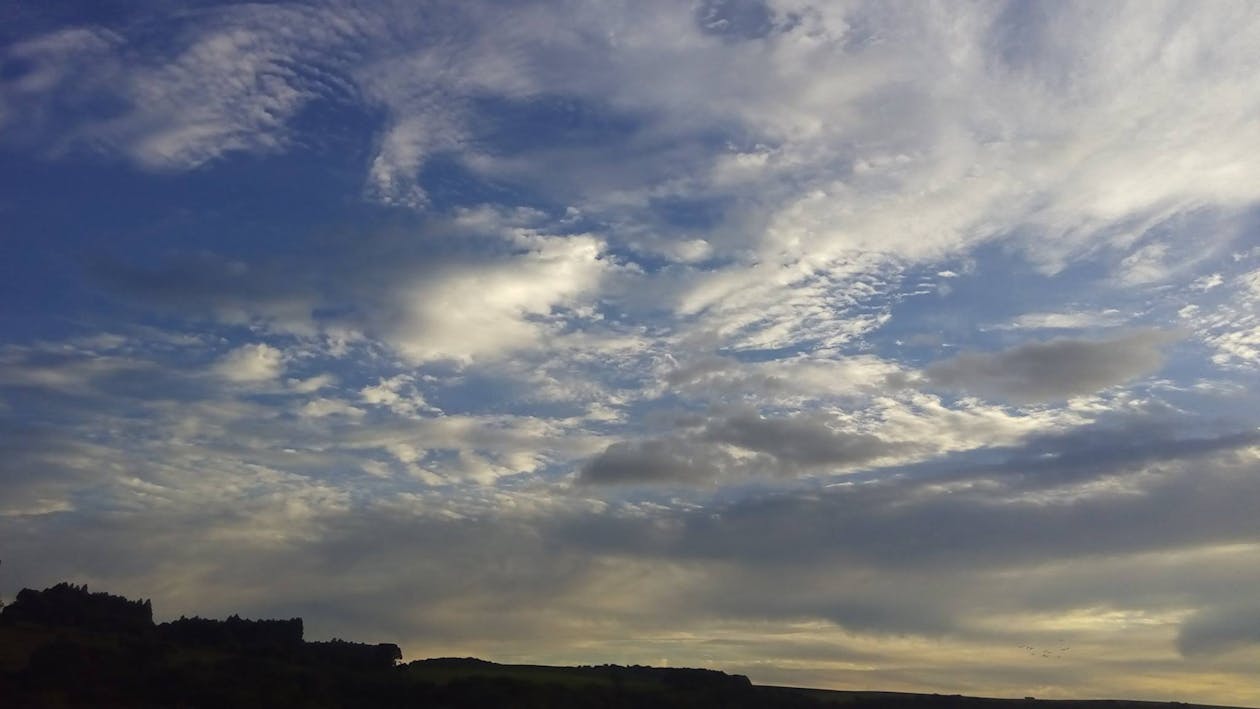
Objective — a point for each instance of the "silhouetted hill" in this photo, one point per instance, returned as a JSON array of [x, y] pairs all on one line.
[[68, 606], [66, 646]]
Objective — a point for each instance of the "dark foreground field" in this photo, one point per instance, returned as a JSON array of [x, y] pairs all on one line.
[[65, 646]]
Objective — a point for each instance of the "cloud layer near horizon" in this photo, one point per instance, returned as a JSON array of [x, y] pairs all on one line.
[[843, 344]]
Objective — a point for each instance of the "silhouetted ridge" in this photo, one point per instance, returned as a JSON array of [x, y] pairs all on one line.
[[66, 646], [454, 662], [612, 675], [358, 656], [236, 633], [69, 606]]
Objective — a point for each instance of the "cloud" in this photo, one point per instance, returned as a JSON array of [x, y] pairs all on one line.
[[665, 461], [1053, 370], [790, 381], [989, 520], [1230, 325], [493, 307], [736, 19], [394, 175], [251, 364], [1073, 320], [802, 440], [610, 329], [1216, 630], [311, 384], [1237, 346], [230, 290], [59, 67], [397, 393], [73, 373], [1101, 537], [1145, 265], [186, 105], [818, 416], [320, 407], [737, 445], [475, 288], [219, 81]]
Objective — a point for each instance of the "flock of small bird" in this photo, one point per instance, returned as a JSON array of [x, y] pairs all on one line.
[[1047, 652]]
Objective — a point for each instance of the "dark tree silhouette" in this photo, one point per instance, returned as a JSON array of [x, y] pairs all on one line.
[[71, 606]]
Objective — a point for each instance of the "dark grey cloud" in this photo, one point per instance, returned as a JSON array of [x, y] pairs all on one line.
[[880, 527], [1216, 630], [928, 557], [784, 446], [1111, 446], [208, 285], [667, 460], [34, 468], [801, 440], [1030, 509], [1055, 369], [852, 597]]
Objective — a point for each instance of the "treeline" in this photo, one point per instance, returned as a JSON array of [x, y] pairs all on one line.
[[235, 633], [69, 606]]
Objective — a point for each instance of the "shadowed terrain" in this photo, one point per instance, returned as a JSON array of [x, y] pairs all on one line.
[[68, 646]]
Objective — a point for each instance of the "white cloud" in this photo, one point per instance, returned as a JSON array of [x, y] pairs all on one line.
[[227, 81], [1071, 320], [1145, 265], [822, 303], [1207, 283], [878, 152], [56, 57], [489, 309], [318, 408], [1249, 281], [398, 394], [1238, 345], [251, 364], [1232, 325], [393, 177], [312, 384]]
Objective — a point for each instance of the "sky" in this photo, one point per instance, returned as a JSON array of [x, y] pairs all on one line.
[[904, 346]]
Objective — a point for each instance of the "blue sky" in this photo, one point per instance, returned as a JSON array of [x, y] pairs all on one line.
[[836, 344]]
